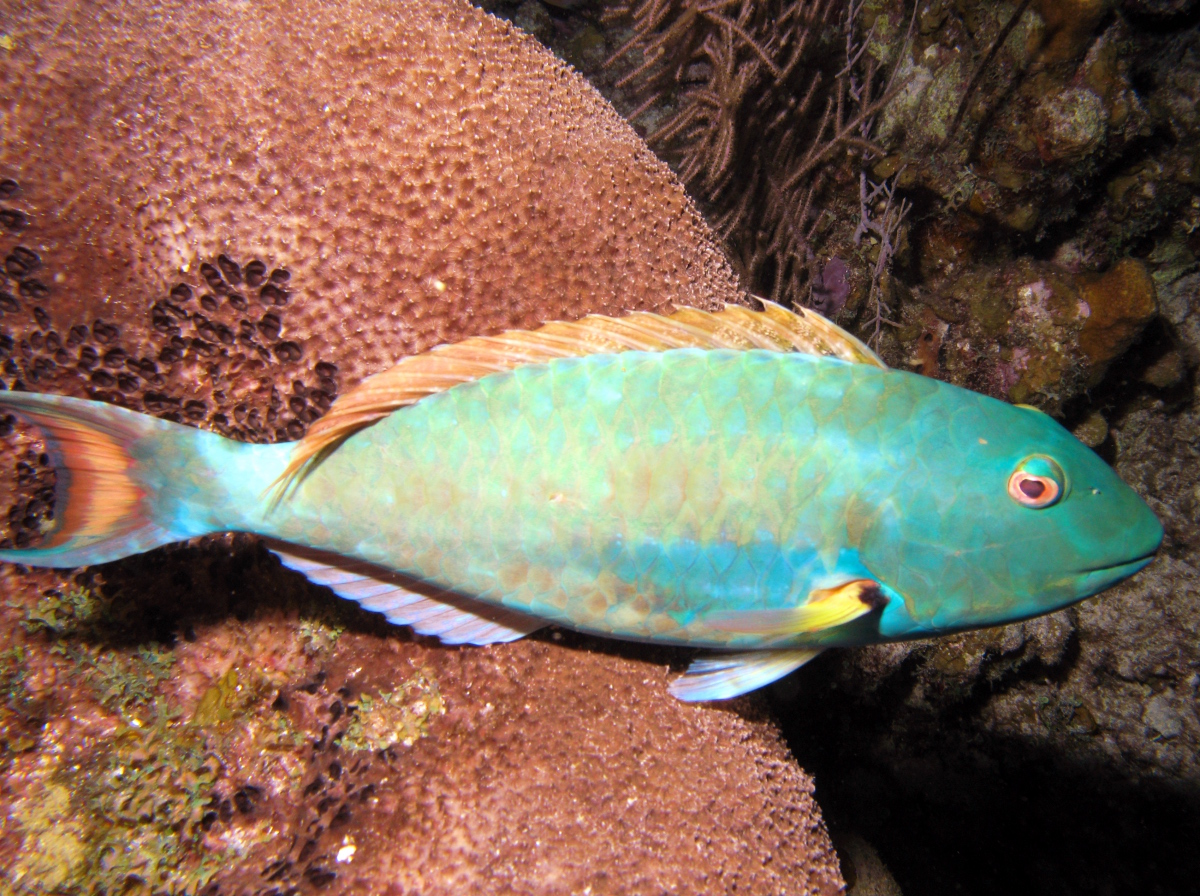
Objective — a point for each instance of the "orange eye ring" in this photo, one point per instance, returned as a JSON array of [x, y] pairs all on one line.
[[1033, 491]]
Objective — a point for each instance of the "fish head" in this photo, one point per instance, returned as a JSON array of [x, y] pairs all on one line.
[[1002, 515]]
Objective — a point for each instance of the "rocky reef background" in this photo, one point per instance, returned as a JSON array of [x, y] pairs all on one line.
[[1006, 198]]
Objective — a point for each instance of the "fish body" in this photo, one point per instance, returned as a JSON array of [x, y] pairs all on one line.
[[771, 503]]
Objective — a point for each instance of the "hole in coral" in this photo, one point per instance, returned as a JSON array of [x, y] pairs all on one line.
[[8, 302], [205, 349], [12, 219], [8, 188], [212, 277], [316, 785], [319, 877], [256, 273], [34, 289], [230, 268], [105, 333], [270, 326], [21, 262], [157, 402], [245, 798], [272, 295]]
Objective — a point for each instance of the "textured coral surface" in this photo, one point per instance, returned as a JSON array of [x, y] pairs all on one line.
[[288, 743], [225, 214]]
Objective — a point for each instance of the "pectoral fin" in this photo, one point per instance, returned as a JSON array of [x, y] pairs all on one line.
[[825, 608], [728, 675]]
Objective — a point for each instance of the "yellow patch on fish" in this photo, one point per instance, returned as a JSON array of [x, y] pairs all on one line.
[[825, 608]]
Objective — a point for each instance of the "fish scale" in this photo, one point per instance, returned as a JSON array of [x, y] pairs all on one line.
[[602, 525], [748, 481]]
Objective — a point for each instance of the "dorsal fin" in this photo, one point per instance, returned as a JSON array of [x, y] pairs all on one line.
[[774, 328]]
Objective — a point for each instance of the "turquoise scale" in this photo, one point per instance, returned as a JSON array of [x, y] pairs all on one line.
[[681, 496], [680, 487]]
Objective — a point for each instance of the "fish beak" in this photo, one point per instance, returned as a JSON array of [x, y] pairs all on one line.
[[1093, 581]]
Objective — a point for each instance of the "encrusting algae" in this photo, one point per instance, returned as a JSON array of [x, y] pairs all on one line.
[[149, 810]]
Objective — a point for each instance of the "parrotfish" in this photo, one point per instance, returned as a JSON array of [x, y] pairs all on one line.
[[757, 483]]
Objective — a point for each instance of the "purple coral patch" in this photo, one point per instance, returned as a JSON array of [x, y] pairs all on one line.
[[831, 287]]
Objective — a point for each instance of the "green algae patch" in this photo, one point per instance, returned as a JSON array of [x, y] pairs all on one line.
[[318, 637], [394, 717], [122, 812], [223, 701], [129, 821], [57, 613]]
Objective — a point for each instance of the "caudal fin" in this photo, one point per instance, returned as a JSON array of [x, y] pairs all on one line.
[[104, 501]]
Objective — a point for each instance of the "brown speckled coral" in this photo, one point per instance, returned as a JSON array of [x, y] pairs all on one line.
[[547, 767], [225, 218], [224, 214]]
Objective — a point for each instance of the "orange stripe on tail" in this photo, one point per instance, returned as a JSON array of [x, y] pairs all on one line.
[[100, 493], [102, 507]]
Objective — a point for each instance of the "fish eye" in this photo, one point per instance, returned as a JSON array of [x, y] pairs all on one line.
[[1037, 482]]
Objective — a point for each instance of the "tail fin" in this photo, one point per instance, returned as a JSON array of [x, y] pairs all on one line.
[[104, 502]]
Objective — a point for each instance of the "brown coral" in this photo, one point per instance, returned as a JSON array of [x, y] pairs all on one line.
[[1121, 302], [224, 220], [227, 219]]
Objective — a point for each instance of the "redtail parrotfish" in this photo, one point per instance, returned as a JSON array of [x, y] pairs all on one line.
[[757, 483]]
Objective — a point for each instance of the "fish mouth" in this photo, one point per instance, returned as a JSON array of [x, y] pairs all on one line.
[[1097, 578]]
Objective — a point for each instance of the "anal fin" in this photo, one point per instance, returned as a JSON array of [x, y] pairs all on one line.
[[728, 675], [452, 618]]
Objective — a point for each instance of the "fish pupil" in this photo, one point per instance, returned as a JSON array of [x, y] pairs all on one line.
[[1032, 488]]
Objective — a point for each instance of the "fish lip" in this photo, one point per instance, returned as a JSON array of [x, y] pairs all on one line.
[[1132, 565]]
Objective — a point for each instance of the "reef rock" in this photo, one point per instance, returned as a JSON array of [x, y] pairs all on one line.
[[1028, 331], [290, 742]]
